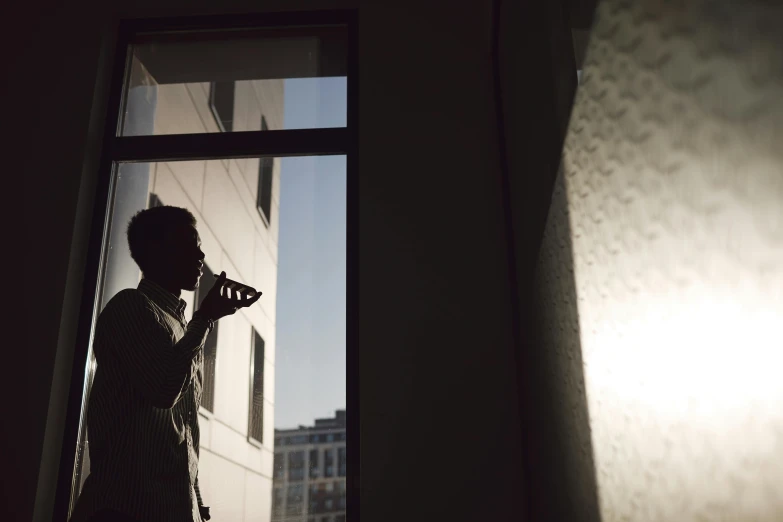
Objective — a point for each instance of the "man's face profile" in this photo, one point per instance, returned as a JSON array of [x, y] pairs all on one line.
[[179, 258]]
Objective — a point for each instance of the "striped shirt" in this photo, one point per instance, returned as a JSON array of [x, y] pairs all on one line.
[[142, 419]]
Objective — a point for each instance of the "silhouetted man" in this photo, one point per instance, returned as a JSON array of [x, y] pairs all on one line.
[[143, 409]]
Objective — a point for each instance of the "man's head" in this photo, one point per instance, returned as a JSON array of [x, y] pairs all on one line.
[[165, 244]]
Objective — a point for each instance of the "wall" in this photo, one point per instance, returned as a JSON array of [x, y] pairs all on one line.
[[660, 274], [435, 322]]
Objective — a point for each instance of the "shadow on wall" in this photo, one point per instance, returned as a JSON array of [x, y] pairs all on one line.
[[565, 485]]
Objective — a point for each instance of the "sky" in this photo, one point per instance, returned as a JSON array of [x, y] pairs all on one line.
[[310, 359]]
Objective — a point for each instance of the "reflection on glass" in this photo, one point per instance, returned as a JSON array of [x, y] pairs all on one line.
[[203, 82]]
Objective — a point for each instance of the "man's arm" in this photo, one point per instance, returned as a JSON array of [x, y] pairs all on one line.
[[134, 337]]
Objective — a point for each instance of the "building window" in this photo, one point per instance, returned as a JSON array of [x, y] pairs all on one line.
[[329, 504], [339, 518], [278, 441], [341, 464], [314, 464], [256, 416], [297, 439], [328, 463], [278, 501], [296, 465], [279, 465], [210, 345], [295, 500], [154, 201], [265, 176], [221, 103]]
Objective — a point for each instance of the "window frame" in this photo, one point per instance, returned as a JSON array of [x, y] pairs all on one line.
[[119, 149]]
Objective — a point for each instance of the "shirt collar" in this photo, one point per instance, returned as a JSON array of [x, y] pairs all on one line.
[[162, 297]]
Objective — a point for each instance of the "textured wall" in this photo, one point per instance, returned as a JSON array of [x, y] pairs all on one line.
[[667, 222]]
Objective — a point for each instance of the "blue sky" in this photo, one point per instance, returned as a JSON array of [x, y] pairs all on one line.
[[310, 338]]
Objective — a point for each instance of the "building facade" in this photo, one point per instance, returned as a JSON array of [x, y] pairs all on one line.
[[309, 472]]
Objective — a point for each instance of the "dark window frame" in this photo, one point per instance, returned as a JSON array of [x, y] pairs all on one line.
[[118, 149]]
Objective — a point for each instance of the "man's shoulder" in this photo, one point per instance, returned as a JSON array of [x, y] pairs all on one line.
[[129, 300]]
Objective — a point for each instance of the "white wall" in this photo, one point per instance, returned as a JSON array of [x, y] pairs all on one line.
[[661, 265]]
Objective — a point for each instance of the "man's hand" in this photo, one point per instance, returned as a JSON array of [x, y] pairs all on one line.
[[218, 303]]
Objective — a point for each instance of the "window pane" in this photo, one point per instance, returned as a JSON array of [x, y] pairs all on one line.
[[273, 375], [243, 81]]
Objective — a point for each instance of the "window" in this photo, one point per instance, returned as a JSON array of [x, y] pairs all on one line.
[[278, 502], [329, 504], [314, 464], [296, 465], [297, 440], [328, 462], [220, 86], [221, 102], [342, 468], [256, 417], [339, 518], [265, 179], [154, 201], [279, 465], [295, 500], [210, 345]]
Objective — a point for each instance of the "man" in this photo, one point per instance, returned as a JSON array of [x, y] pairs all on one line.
[[142, 419]]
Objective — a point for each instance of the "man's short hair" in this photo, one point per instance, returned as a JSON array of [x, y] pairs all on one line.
[[151, 225]]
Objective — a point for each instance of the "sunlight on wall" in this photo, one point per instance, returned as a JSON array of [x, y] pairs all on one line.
[[674, 177]]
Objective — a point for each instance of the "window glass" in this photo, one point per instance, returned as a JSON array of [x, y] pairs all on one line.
[[274, 372], [227, 82], [269, 370]]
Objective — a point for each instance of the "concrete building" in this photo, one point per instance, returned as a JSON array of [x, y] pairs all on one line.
[[309, 472], [236, 203]]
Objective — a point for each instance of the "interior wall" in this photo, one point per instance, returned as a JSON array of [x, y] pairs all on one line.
[[538, 71], [437, 375], [660, 274]]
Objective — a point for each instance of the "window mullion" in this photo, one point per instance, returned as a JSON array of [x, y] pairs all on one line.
[[184, 147]]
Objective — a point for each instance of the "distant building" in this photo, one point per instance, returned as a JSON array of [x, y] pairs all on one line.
[[309, 472]]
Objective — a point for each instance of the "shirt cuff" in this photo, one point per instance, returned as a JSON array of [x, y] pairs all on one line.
[[201, 322]]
